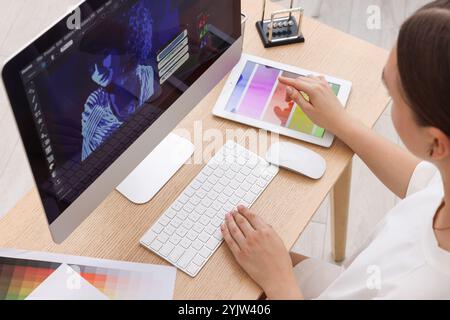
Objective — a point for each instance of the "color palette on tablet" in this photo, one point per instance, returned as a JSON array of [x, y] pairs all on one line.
[[259, 95]]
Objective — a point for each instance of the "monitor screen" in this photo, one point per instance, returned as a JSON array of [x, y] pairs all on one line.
[[97, 88]]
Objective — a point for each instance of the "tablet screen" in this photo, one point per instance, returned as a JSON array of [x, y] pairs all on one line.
[[259, 95]]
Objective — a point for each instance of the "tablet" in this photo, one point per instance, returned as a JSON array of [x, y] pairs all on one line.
[[254, 96]]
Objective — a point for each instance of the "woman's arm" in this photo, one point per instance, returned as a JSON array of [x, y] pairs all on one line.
[[390, 163], [393, 165]]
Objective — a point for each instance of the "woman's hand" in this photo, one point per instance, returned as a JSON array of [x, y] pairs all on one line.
[[323, 107], [261, 253]]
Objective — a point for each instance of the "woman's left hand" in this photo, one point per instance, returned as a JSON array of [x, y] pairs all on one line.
[[261, 253]]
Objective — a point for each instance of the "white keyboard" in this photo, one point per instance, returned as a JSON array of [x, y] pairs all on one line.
[[188, 233]]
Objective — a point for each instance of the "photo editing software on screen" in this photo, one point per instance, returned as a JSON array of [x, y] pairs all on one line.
[[95, 91]]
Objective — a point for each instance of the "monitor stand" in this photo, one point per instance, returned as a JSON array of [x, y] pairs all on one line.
[[157, 169]]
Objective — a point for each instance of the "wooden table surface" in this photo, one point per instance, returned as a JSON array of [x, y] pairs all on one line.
[[114, 229]]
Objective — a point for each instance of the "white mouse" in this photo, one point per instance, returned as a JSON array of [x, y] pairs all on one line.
[[298, 159]]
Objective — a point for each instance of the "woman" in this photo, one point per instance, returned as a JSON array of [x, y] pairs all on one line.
[[409, 256]]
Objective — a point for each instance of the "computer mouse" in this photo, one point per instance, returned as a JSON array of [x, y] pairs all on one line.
[[297, 159]]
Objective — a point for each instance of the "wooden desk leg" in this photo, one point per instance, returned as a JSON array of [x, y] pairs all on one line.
[[340, 200]]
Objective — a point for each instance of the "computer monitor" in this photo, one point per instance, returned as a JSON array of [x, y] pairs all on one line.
[[92, 99]]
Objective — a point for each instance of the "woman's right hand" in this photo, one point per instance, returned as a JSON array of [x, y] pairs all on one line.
[[323, 107]]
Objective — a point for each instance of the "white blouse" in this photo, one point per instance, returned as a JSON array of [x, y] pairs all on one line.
[[402, 261]]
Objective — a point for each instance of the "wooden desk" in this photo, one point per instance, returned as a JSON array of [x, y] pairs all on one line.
[[114, 229]]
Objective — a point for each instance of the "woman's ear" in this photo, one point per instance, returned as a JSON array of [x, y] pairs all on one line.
[[439, 145]]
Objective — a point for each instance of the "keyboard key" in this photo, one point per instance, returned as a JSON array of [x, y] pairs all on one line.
[[183, 199], [240, 193], [149, 237], [157, 228], [176, 254], [193, 268], [163, 237], [219, 188], [186, 243], [230, 175], [204, 237], [207, 186], [212, 243], [176, 223], [169, 230], [198, 260], [211, 213], [210, 229], [242, 161], [166, 249], [217, 206], [207, 202], [249, 198], [217, 222], [200, 209], [222, 199], [175, 239], [218, 235], [228, 192], [194, 217], [201, 194], [240, 178], [198, 228], [224, 181], [195, 200], [182, 232], [189, 191], [246, 186], [202, 177], [213, 195], [256, 189], [192, 235], [170, 213], [197, 245], [246, 171], [205, 252], [156, 245], [228, 208], [208, 171], [213, 165], [234, 200], [188, 224], [204, 221], [251, 180], [182, 215], [188, 208], [196, 185], [261, 182], [213, 180], [219, 173], [164, 221], [187, 258], [177, 206]]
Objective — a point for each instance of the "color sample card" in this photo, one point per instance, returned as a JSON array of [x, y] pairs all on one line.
[[116, 284], [259, 95], [19, 278], [41, 276]]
